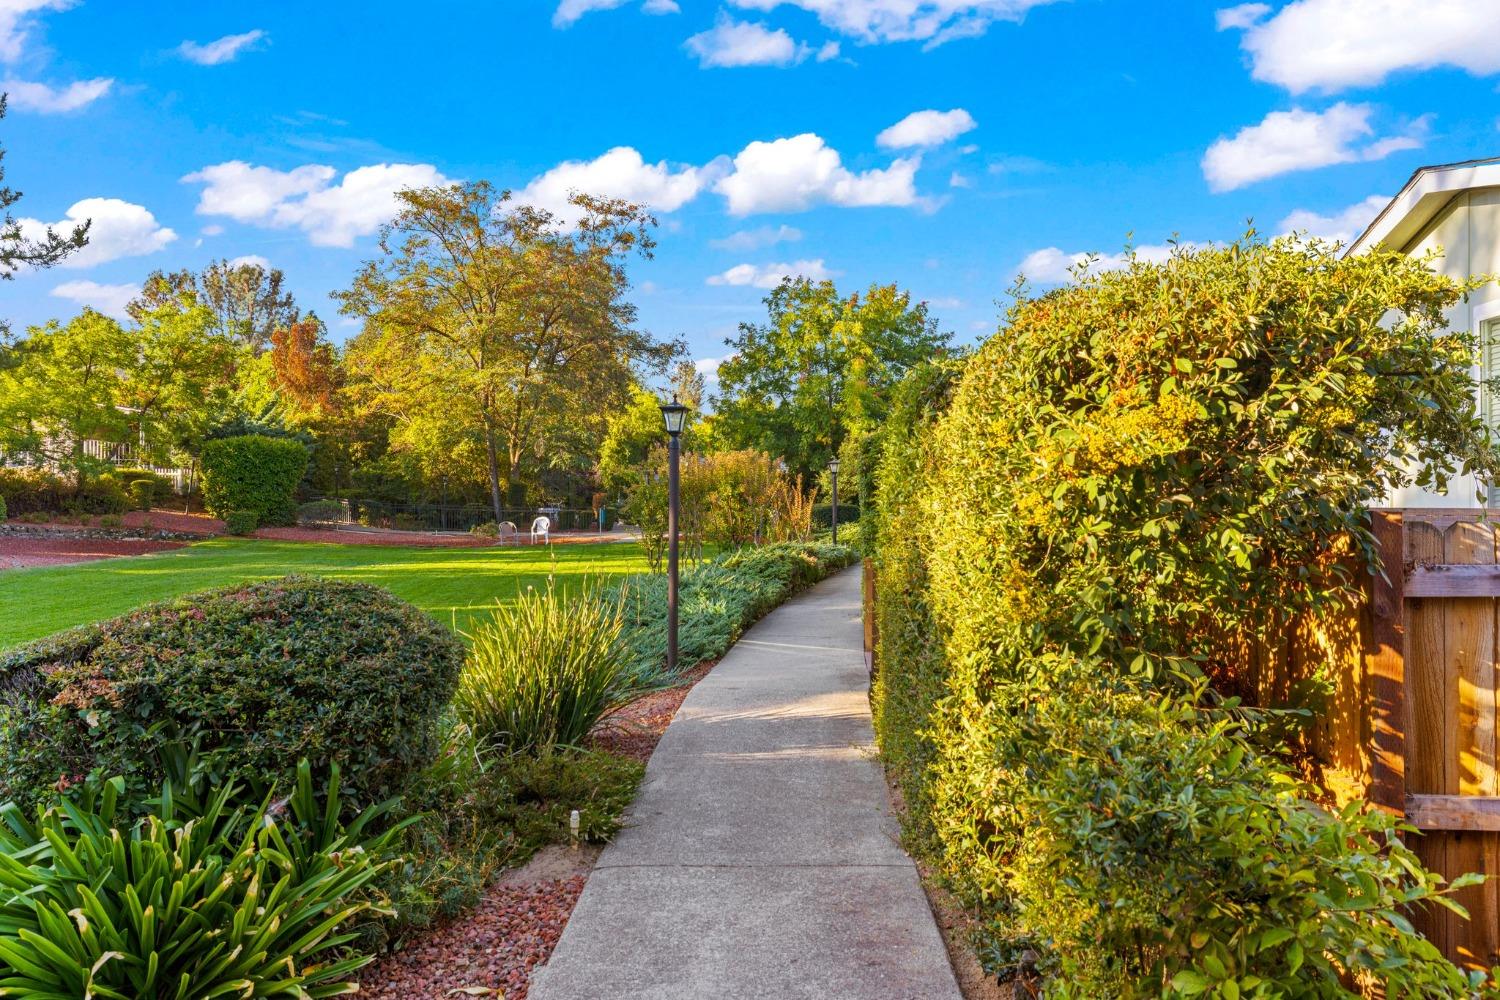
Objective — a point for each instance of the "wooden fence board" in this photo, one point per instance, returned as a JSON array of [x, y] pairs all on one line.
[[1468, 672], [1428, 709]]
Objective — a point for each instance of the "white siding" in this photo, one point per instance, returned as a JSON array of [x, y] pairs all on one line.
[[1467, 233]]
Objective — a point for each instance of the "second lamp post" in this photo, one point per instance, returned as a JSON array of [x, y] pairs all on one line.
[[675, 416], [833, 475]]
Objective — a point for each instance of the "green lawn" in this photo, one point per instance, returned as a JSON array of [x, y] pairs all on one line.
[[449, 583]]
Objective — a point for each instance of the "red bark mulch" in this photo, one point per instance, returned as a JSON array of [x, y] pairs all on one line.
[[18, 551], [493, 947]]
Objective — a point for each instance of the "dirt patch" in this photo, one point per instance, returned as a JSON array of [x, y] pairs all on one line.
[[18, 551], [554, 862]]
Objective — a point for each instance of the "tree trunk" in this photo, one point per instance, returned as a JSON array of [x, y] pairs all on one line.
[[494, 463]]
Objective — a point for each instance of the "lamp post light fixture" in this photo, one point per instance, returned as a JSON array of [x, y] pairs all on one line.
[[833, 474], [674, 415]]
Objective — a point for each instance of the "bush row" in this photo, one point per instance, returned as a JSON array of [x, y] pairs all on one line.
[[1142, 464], [36, 491], [718, 600]]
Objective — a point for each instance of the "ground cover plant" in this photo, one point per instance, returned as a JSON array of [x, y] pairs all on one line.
[[1145, 463], [454, 585]]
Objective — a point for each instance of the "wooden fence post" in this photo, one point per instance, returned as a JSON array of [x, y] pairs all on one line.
[[1385, 663]]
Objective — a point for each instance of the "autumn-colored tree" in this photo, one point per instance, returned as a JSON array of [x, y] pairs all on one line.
[[307, 370], [504, 323]]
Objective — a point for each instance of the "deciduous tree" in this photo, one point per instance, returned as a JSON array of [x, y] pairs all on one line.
[[502, 321], [821, 366]]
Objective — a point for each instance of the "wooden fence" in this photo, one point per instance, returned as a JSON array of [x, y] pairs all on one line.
[[1411, 726], [1412, 723]]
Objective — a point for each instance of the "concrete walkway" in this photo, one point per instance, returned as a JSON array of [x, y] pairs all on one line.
[[761, 858]]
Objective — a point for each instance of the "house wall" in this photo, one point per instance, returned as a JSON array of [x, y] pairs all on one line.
[[1467, 233]]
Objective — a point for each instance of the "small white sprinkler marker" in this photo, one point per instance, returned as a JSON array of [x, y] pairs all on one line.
[[573, 826]]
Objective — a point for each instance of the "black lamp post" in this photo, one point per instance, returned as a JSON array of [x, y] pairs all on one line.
[[833, 474], [675, 416]]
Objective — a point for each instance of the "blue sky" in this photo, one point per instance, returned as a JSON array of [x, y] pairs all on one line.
[[941, 144]]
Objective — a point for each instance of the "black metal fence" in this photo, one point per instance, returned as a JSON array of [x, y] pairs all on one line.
[[464, 517]]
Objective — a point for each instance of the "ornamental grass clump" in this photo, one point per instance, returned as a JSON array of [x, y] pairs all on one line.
[[541, 672], [1076, 532]]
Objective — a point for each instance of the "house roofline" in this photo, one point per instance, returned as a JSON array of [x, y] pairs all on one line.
[[1421, 198]]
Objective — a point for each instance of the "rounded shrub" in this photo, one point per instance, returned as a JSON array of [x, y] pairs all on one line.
[[241, 522], [161, 487], [256, 473], [142, 494], [266, 673]]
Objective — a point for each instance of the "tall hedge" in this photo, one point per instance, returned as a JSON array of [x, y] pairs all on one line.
[[263, 674], [254, 473], [1134, 467], [909, 680]]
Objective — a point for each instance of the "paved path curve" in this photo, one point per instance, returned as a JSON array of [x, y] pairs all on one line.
[[761, 859]]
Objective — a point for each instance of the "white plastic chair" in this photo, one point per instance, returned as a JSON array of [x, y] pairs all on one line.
[[540, 529], [507, 532]]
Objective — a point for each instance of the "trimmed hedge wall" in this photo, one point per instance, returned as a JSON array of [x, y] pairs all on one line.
[[1073, 534], [266, 673], [254, 473]]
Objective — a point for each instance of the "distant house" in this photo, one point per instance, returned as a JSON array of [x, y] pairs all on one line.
[[1455, 208]]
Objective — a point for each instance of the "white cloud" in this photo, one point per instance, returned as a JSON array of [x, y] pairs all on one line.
[[220, 50], [16, 17], [1242, 16], [28, 95], [569, 11], [212, 229], [1330, 45], [1343, 225], [1300, 140], [790, 175], [958, 180], [756, 239], [926, 128], [1052, 266], [828, 52], [620, 173], [108, 299], [119, 229], [709, 368], [306, 198], [771, 275], [744, 43], [250, 259], [930, 21]]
